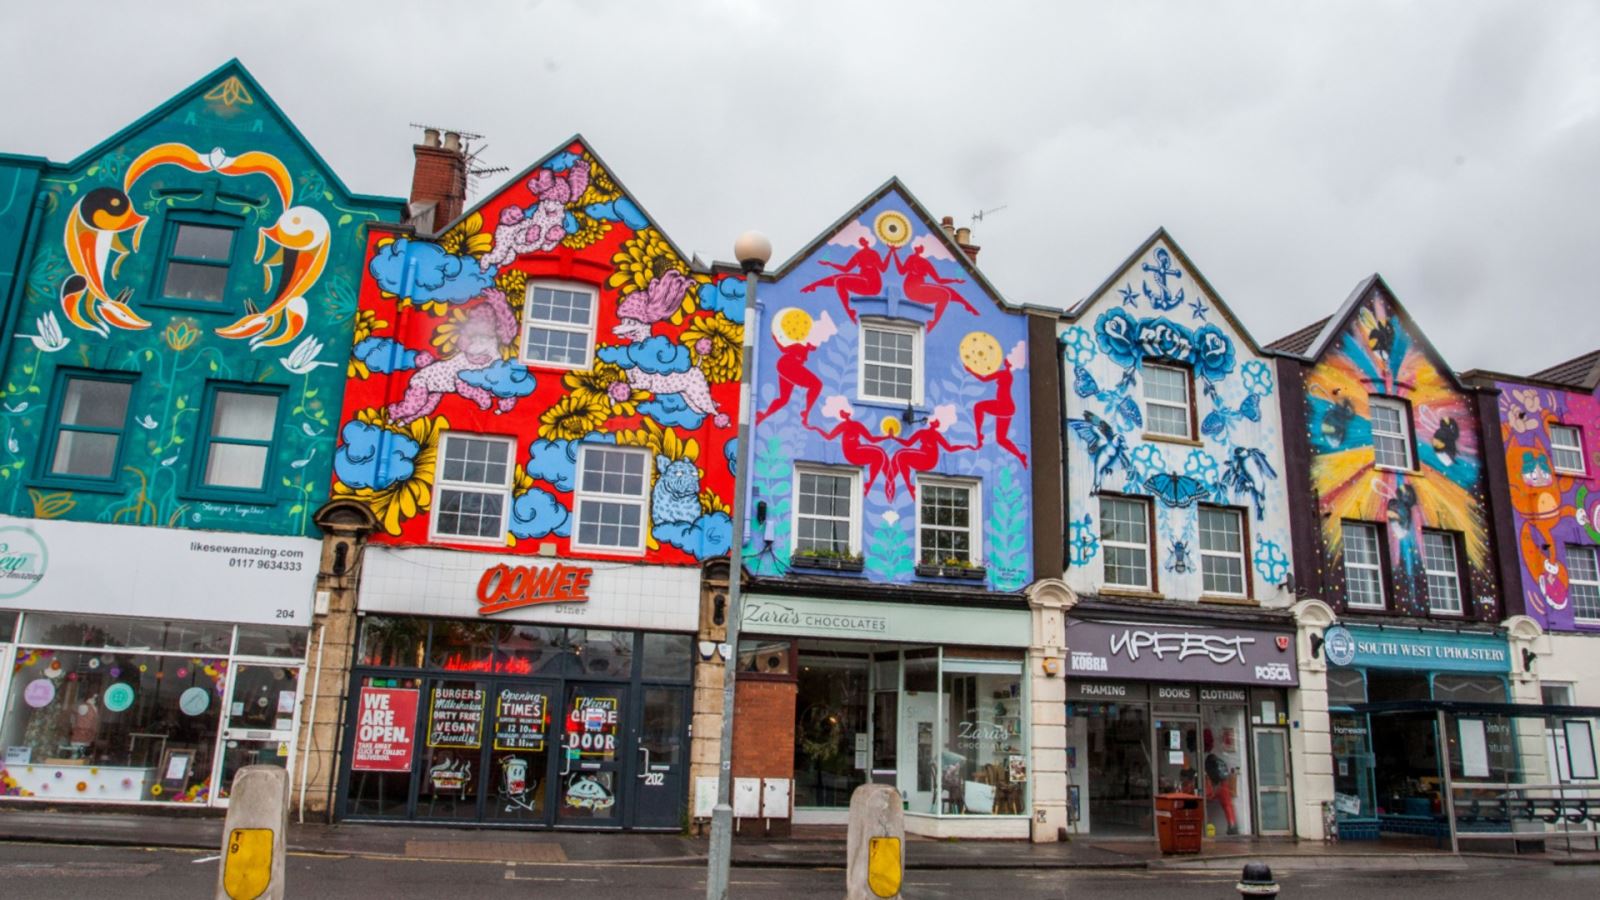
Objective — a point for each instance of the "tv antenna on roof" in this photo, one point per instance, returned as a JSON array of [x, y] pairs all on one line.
[[981, 214], [472, 155]]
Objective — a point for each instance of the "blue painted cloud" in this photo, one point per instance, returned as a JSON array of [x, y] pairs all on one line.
[[538, 514], [356, 460], [384, 355], [730, 452], [556, 462], [502, 379], [726, 297], [708, 536], [439, 275], [671, 411], [655, 355], [619, 210]]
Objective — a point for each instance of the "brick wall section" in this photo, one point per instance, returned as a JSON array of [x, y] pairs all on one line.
[[440, 177], [763, 725]]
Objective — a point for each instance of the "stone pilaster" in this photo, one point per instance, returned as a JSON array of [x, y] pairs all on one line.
[[1049, 600], [345, 525], [1526, 640], [704, 750], [1311, 742]]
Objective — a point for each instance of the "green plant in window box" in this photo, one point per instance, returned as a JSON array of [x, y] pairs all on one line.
[[840, 560], [951, 567]]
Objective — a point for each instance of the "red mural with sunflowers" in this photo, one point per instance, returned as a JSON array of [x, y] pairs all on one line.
[[549, 371]]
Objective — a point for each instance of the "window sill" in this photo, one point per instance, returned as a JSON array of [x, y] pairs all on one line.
[[1172, 439], [918, 406], [1228, 600], [1574, 473], [1130, 593], [214, 307], [79, 486], [960, 573], [827, 563], [1397, 470], [554, 366]]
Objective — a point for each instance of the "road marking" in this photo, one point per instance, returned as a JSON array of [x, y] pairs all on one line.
[[206, 859], [512, 876]]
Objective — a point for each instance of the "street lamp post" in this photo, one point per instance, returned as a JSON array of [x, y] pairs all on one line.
[[753, 250]]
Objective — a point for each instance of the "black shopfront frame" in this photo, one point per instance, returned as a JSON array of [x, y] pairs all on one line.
[[651, 788]]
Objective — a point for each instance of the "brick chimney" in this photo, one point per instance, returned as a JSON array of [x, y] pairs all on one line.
[[439, 181], [962, 237]]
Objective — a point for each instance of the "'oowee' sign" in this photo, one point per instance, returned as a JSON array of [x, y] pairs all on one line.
[[504, 587]]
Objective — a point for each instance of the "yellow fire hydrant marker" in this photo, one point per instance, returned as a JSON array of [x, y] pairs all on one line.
[[247, 869]]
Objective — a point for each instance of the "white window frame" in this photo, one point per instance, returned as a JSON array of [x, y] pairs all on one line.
[[1576, 448], [1453, 573], [1574, 582], [974, 515], [1240, 555], [855, 503], [1404, 412], [918, 369], [1376, 567], [527, 320], [441, 484], [580, 497], [1187, 406], [1148, 546]]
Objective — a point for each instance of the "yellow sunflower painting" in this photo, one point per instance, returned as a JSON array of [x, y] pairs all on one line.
[[404, 499], [573, 417], [716, 346]]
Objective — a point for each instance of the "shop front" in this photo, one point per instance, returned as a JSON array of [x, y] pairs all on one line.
[[1387, 760], [930, 699], [1169, 708], [147, 665], [517, 692]]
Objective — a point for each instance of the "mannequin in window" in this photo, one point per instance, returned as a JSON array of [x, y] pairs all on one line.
[[1217, 787], [85, 723]]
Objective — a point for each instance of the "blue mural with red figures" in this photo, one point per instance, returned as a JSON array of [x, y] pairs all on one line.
[[885, 360], [552, 317]]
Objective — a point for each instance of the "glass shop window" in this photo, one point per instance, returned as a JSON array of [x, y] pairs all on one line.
[[109, 725], [764, 656], [396, 641], [671, 656], [278, 641], [65, 629], [830, 710], [983, 764]]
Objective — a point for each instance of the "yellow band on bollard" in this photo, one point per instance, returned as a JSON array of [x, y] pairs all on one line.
[[883, 866], [247, 870]]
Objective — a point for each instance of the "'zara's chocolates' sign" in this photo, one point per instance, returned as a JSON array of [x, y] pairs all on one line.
[[1192, 653]]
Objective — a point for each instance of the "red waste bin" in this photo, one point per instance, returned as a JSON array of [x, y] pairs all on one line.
[[1178, 822]]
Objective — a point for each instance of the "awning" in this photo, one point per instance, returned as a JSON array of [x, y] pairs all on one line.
[[1466, 708]]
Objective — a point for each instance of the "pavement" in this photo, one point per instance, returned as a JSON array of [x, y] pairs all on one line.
[[808, 849], [65, 872]]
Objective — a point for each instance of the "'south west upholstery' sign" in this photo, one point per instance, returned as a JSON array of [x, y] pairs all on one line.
[[1437, 651], [1144, 651]]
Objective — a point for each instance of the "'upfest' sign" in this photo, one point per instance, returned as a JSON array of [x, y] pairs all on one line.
[[1191, 653], [504, 587]]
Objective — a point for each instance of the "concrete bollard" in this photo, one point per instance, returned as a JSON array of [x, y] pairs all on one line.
[[254, 835], [877, 843], [1256, 881]]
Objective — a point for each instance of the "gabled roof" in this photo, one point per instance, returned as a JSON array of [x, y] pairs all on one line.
[[235, 69], [1328, 328], [1296, 342], [894, 185], [1161, 235], [1582, 372], [542, 161]]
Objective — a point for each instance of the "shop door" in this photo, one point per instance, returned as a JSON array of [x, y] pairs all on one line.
[[519, 762], [593, 765], [451, 779], [918, 719], [660, 759], [1274, 803], [258, 723], [1177, 756]]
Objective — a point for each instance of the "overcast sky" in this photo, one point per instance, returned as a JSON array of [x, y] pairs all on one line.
[[1291, 149]]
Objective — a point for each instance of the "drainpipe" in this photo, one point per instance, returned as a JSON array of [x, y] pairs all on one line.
[[311, 724], [19, 287]]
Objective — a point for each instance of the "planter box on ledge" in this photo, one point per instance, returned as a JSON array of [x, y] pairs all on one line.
[[963, 573], [829, 563]]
